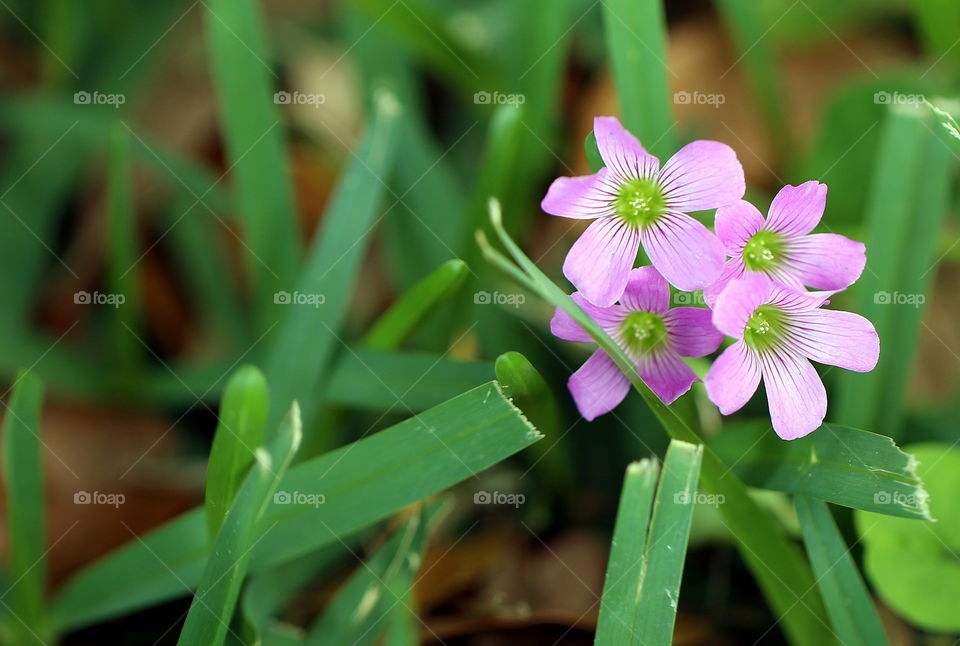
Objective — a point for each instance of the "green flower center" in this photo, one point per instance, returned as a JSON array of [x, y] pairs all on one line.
[[763, 251], [643, 332], [765, 327], [639, 202]]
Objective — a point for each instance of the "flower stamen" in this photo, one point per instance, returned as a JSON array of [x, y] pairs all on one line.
[[639, 202]]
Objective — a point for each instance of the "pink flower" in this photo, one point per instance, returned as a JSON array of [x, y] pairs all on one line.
[[634, 202], [779, 331], [780, 247], [653, 335]]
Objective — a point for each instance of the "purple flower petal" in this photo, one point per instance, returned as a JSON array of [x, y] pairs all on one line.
[[733, 378], [578, 197], [797, 300], [666, 374], [684, 251], [691, 331], [621, 151], [735, 225], [738, 301], [732, 270], [796, 210], [598, 386], [827, 260], [564, 327], [599, 262], [646, 291], [841, 339], [795, 394], [702, 175]]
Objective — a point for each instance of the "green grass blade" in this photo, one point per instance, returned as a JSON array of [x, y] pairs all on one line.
[[636, 35], [240, 430], [403, 316], [841, 465], [211, 611], [404, 624], [848, 602], [307, 336], [746, 24], [908, 200], [363, 483], [25, 614], [123, 254], [666, 544], [360, 611], [530, 392], [615, 626], [779, 567], [254, 143]]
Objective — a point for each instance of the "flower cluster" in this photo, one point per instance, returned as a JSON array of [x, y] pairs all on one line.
[[754, 273]]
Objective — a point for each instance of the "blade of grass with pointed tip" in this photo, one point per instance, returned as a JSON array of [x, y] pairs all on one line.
[[845, 595], [25, 614], [253, 137], [747, 27], [123, 255], [401, 319], [840, 465], [211, 611], [908, 200], [529, 392], [358, 614], [362, 482], [240, 430], [307, 337], [779, 567], [636, 35]]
